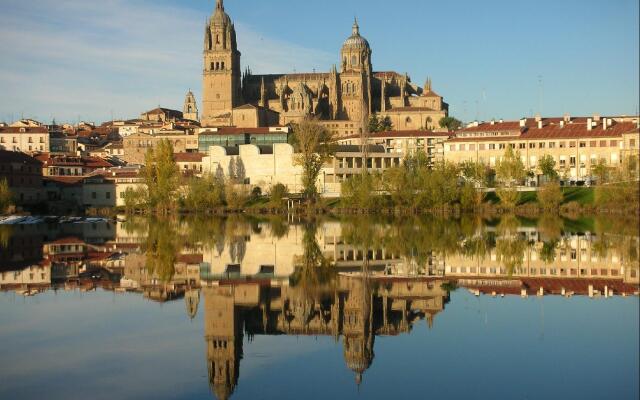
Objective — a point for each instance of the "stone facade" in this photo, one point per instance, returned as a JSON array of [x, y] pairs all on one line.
[[342, 98]]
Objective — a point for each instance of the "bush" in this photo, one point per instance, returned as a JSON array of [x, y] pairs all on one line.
[[470, 197], [6, 197], [360, 191], [550, 196], [508, 196], [278, 193]]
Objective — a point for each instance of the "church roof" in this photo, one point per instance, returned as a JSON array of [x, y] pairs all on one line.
[[355, 41]]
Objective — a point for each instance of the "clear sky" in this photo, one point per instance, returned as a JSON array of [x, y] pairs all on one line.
[[91, 60]]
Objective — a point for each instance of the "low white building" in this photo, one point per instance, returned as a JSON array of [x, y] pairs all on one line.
[[262, 166]]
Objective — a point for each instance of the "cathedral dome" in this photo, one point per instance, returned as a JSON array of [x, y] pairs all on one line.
[[355, 41], [220, 17]]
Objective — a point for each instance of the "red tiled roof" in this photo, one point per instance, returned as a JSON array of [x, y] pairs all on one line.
[[549, 131], [232, 130], [188, 157], [190, 258], [11, 129], [65, 180], [17, 157]]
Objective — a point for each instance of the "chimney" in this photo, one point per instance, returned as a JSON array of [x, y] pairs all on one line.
[[562, 124], [476, 123], [501, 120], [596, 117], [523, 122], [604, 124], [493, 122], [609, 122], [538, 118], [539, 124], [566, 118], [589, 124]]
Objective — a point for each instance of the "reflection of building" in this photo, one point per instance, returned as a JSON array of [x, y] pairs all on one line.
[[575, 257], [354, 308]]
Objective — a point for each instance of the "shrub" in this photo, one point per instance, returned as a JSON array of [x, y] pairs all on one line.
[[550, 196]]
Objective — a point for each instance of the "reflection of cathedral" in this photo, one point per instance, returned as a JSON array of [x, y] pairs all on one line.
[[343, 98], [355, 308]]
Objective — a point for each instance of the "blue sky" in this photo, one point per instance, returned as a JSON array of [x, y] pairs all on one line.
[[90, 60]]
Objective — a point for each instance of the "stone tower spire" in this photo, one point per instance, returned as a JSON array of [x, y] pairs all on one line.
[[356, 28], [222, 85]]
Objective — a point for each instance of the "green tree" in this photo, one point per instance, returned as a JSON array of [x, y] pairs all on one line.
[[376, 124], [6, 196], [550, 196], [204, 193], [386, 124], [451, 123], [161, 176], [361, 191], [547, 166], [135, 199], [277, 195], [600, 171], [314, 145], [510, 172]]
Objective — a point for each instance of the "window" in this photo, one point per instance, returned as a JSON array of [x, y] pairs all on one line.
[[572, 144], [552, 145], [613, 143], [541, 145], [593, 143], [94, 195], [572, 161], [583, 144], [632, 142], [501, 146], [462, 147], [472, 147], [563, 145], [532, 145], [108, 195], [492, 146], [481, 146], [603, 143], [522, 145]]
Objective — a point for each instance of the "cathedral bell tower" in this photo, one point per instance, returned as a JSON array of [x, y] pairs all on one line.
[[221, 86], [355, 77]]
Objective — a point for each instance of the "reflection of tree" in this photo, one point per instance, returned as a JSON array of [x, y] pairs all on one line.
[[510, 246], [612, 236], [5, 234], [161, 248], [313, 272]]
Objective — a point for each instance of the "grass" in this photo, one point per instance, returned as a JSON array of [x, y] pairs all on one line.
[[582, 195]]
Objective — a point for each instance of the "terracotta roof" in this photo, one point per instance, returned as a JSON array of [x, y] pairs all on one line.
[[32, 130], [555, 285], [550, 131], [229, 130], [188, 157], [64, 180], [190, 258], [17, 157]]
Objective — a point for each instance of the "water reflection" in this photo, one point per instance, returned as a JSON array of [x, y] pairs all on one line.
[[351, 279]]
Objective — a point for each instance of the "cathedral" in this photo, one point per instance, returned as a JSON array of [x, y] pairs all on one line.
[[342, 99]]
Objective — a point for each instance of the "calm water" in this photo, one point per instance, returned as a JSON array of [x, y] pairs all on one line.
[[355, 308]]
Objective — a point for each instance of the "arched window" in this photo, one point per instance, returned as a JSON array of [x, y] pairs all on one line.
[[212, 66], [354, 60], [222, 65], [217, 39]]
